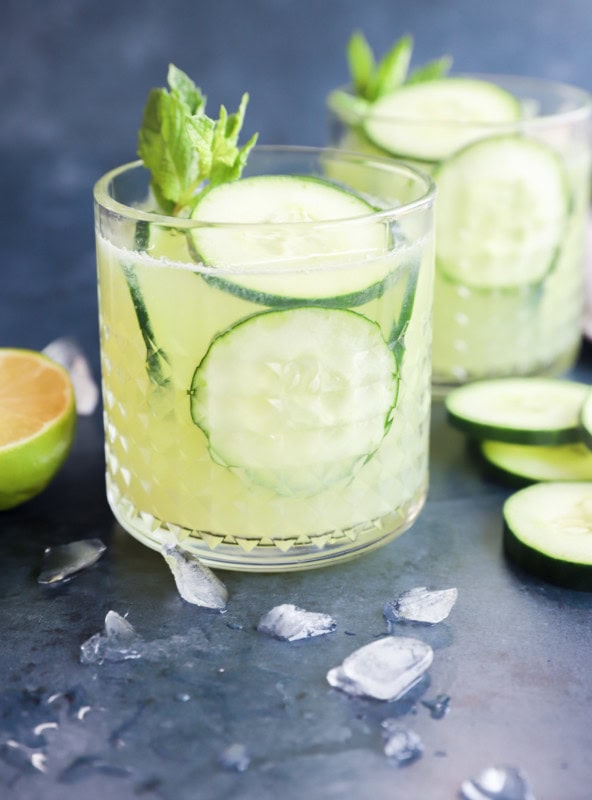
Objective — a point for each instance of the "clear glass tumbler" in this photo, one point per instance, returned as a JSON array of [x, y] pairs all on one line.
[[510, 228], [267, 405]]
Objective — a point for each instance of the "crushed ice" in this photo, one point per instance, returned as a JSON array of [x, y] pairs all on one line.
[[289, 623], [63, 561], [119, 642], [234, 758], [67, 352], [421, 605], [385, 669], [402, 745], [195, 582], [498, 783]]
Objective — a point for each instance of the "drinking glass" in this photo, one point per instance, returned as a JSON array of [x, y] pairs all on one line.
[[508, 281], [267, 405]]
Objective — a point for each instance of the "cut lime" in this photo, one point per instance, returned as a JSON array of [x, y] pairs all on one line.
[[37, 422]]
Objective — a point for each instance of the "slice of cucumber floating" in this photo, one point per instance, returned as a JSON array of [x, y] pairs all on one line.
[[296, 400], [520, 464], [548, 532], [503, 207], [525, 411], [292, 265], [430, 121]]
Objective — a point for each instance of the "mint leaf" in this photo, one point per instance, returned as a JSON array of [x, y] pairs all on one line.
[[167, 149], [185, 89], [186, 151], [433, 70], [227, 160], [371, 79], [392, 69], [361, 62]]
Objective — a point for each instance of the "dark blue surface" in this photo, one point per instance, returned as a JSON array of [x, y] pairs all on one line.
[[515, 654]]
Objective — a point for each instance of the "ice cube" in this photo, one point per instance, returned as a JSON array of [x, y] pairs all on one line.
[[421, 605], [63, 561], [400, 744], [498, 783], [235, 757], [196, 583], [119, 642], [438, 706], [66, 352], [384, 669], [289, 623]]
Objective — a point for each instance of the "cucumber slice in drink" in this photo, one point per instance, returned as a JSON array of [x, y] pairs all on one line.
[[547, 532], [325, 265], [520, 464], [503, 205], [296, 400], [519, 410], [430, 121], [157, 362]]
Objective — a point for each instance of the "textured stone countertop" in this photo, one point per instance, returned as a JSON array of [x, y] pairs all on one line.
[[514, 657]]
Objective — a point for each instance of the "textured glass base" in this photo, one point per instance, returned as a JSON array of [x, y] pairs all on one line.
[[442, 384], [267, 554]]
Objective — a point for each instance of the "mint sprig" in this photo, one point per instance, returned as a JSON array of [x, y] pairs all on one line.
[[186, 151], [372, 78]]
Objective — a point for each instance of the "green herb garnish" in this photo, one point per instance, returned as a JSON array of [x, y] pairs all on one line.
[[372, 78], [186, 151]]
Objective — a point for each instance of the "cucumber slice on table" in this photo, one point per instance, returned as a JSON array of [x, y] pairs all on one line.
[[519, 410], [586, 419], [431, 120], [520, 464], [296, 400], [503, 206], [328, 265], [548, 532]]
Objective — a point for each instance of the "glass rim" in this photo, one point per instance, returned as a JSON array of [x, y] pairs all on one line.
[[386, 164], [581, 97]]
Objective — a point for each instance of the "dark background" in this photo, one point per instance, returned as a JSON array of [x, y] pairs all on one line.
[[74, 75]]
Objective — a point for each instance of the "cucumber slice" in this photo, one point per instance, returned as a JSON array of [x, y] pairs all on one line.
[[296, 400], [157, 361], [431, 120], [547, 531], [519, 410], [503, 206], [586, 420], [519, 464], [328, 265]]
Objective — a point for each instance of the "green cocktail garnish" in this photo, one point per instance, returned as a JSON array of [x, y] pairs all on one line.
[[371, 78], [185, 150]]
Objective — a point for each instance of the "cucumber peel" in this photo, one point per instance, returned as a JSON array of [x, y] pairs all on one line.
[[548, 532]]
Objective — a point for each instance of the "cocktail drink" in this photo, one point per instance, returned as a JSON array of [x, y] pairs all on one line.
[[265, 358], [511, 161]]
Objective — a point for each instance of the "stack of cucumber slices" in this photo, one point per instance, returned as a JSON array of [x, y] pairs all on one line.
[[538, 432]]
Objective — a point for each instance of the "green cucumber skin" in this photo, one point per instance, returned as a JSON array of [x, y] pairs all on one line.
[[279, 302], [493, 472], [157, 363], [514, 435], [585, 431], [566, 574]]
